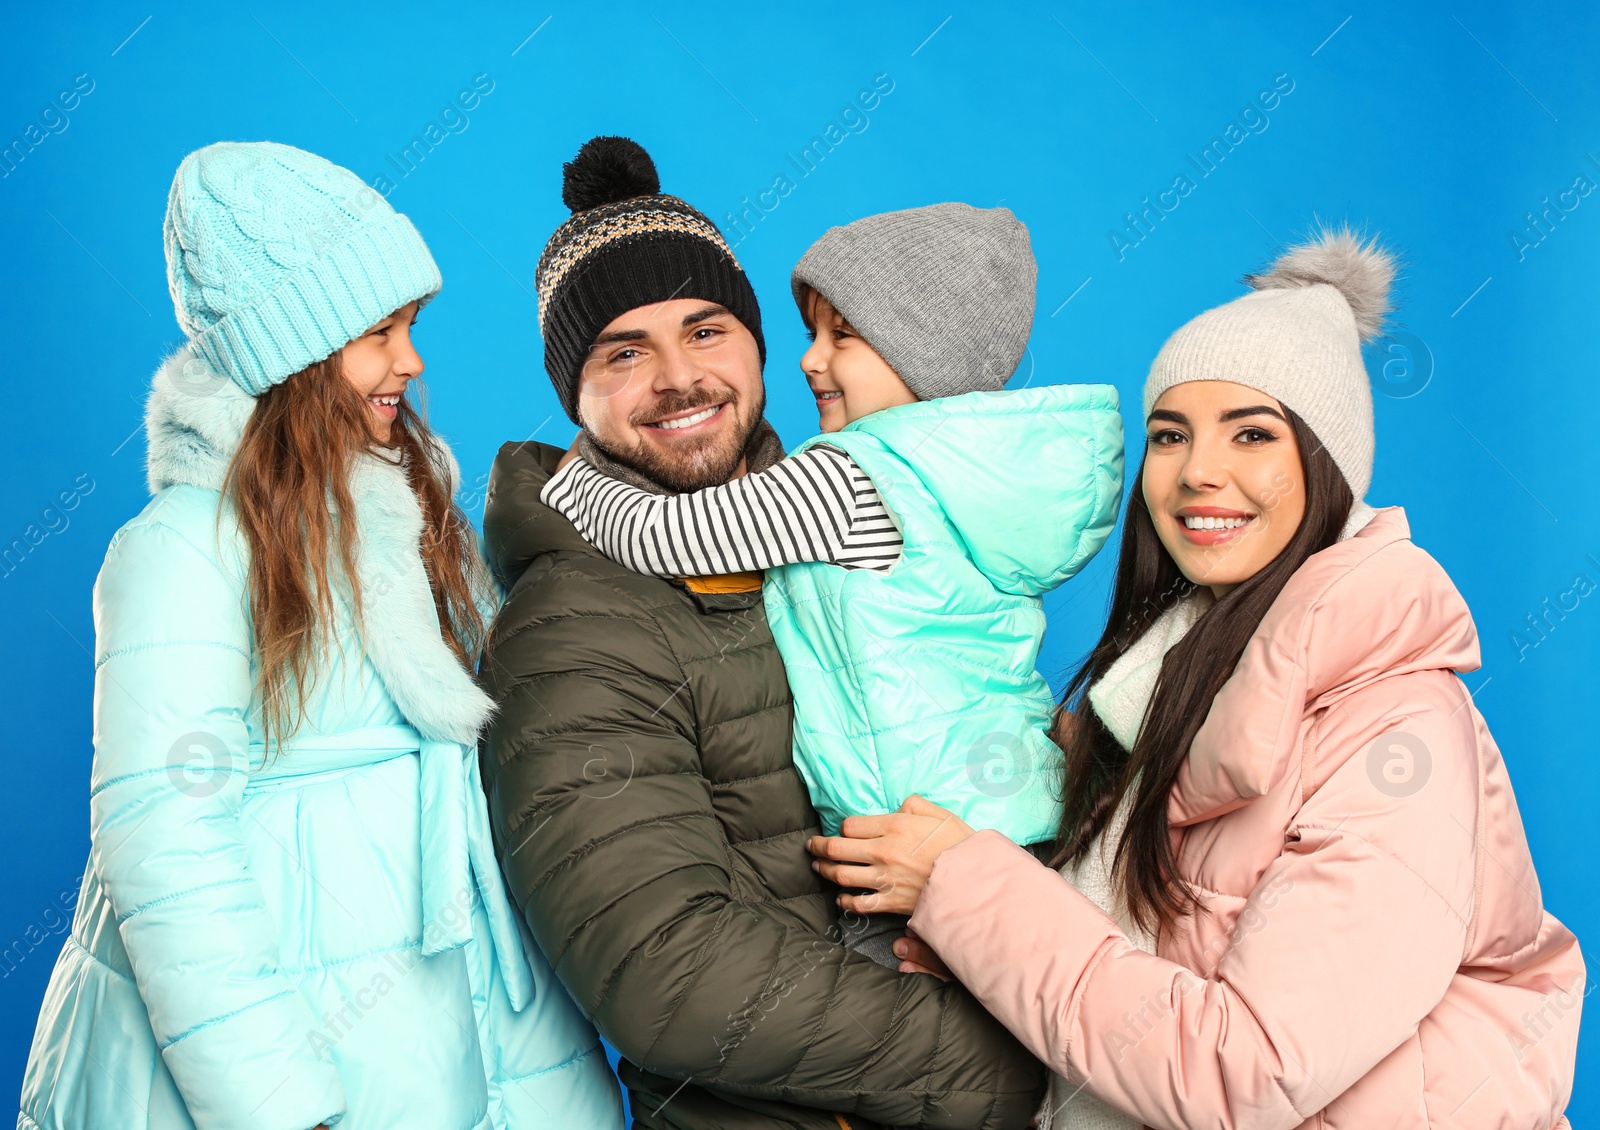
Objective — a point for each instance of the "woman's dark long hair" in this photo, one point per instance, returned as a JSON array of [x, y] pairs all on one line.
[[1099, 772]]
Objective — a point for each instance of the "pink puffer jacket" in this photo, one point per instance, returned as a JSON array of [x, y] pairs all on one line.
[[1373, 950]]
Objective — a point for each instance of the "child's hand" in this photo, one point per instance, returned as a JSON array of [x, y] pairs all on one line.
[[890, 856], [572, 452], [917, 956]]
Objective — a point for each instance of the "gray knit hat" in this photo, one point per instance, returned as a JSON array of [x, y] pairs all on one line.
[[1297, 337], [944, 294]]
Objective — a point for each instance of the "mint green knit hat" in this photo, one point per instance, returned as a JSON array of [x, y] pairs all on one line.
[[277, 258]]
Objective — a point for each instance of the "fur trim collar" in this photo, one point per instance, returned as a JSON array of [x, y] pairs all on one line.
[[194, 420]]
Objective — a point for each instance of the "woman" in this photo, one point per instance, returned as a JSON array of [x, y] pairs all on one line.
[[292, 915], [1275, 781]]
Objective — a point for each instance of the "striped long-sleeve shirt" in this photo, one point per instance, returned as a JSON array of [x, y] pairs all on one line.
[[816, 506]]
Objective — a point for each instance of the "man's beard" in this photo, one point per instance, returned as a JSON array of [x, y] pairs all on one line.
[[708, 463]]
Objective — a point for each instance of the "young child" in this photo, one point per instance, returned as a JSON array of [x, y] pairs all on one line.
[[908, 547]]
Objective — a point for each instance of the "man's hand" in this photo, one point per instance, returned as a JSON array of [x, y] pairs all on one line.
[[889, 856]]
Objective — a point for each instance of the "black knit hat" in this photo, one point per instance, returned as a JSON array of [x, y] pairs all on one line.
[[626, 245]]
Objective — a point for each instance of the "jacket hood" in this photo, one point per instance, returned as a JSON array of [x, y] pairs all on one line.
[[194, 421], [1031, 479], [517, 527], [1367, 608]]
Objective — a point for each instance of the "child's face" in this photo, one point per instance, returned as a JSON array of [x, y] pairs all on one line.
[[380, 364], [846, 375]]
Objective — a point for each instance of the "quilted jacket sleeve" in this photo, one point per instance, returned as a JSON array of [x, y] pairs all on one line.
[[613, 848], [172, 684], [1349, 940]]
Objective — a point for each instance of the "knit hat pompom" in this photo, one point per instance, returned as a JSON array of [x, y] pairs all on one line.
[[1361, 271], [606, 170]]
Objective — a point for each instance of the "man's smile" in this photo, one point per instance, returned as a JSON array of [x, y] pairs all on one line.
[[690, 419]]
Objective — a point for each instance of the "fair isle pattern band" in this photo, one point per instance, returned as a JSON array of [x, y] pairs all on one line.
[[589, 231]]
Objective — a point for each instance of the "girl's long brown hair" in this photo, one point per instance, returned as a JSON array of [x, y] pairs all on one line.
[[1099, 772], [288, 484]]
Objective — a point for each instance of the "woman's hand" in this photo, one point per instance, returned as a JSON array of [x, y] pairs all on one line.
[[889, 856], [917, 956]]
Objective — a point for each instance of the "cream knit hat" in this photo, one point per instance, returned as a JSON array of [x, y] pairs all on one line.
[[1297, 337]]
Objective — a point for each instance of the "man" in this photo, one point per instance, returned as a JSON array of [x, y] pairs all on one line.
[[650, 820]]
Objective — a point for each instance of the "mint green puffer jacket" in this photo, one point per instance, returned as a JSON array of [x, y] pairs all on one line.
[[922, 679], [318, 937]]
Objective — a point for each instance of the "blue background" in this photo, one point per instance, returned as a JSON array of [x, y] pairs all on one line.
[[1441, 128]]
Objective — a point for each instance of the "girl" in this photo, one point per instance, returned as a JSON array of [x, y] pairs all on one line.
[[908, 546], [1275, 781], [292, 915]]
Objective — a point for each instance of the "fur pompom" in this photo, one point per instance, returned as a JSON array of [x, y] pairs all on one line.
[[1360, 270], [608, 169]]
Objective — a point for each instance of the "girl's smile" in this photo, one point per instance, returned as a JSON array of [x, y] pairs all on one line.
[[386, 405]]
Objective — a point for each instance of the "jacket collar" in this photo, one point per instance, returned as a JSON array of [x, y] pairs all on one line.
[[1365, 609], [194, 421], [517, 526]]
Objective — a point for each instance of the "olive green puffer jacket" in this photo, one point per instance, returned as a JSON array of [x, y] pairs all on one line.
[[652, 825]]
